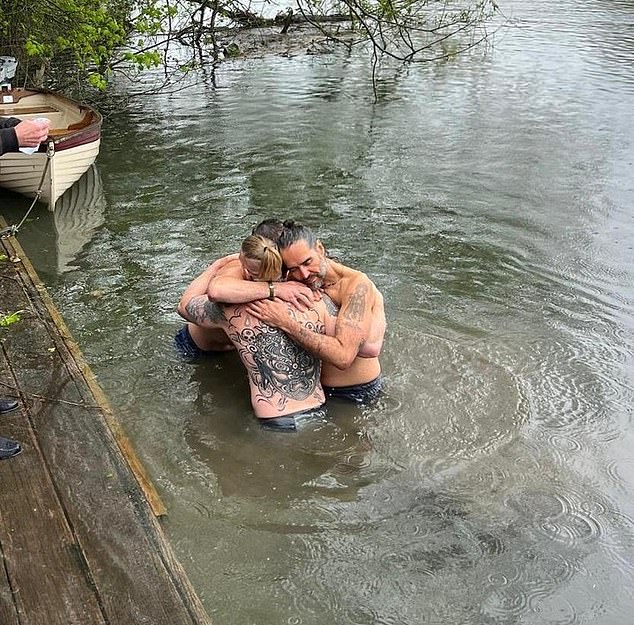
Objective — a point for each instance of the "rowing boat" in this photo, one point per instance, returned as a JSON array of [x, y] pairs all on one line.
[[69, 151]]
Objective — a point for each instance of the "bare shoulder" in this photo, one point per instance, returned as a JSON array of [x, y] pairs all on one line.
[[356, 286], [232, 269], [378, 296]]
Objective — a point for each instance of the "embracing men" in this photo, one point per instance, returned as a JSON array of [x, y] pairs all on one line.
[[351, 343]]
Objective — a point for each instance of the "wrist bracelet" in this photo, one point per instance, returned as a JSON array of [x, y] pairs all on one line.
[[271, 291]]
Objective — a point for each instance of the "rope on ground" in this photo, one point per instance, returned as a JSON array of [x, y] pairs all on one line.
[[48, 400], [11, 231]]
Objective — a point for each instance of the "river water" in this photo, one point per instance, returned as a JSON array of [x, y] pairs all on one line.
[[490, 199]]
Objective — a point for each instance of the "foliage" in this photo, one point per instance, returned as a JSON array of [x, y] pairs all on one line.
[[100, 37], [91, 36], [411, 30]]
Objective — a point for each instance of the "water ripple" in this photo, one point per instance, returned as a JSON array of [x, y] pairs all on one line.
[[465, 406]]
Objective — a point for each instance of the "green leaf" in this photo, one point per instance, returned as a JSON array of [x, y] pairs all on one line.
[[10, 318]]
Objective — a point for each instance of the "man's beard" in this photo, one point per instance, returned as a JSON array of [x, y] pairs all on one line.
[[319, 279]]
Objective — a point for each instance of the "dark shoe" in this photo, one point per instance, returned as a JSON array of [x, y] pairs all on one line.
[[9, 448], [7, 405]]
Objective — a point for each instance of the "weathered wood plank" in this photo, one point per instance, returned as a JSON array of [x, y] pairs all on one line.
[[44, 306], [28, 110], [136, 576], [49, 581], [8, 609]]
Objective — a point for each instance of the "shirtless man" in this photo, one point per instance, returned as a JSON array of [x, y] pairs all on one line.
[[283, 377], [351, 368], [227, 284]]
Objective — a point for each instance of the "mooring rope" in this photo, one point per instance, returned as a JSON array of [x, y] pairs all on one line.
[[11, 231]]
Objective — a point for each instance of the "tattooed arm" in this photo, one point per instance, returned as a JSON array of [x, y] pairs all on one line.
[[202, 312], [198, 286], [351, 329]]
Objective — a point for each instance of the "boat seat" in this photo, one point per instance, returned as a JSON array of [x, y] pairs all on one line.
[[28, 110], [86, 120]]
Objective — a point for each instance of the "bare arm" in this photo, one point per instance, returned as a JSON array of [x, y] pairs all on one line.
[[351, 329], [233, 289], [198, 286], [202, 312]]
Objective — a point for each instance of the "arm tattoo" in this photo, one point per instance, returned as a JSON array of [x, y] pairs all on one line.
[[331, 307], [201, 310], [355, 308]]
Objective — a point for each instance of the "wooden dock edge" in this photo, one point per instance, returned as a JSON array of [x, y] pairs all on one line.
[[138, 470], [161, 564]]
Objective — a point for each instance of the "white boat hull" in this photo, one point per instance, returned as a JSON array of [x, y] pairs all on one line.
[[73, 141], [23, 173]]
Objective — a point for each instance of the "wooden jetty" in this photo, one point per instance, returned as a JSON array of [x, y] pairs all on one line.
[[80, 541]]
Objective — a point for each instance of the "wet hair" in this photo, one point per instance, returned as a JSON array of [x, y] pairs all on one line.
[[269, 229], [293, 232], [256, 247]]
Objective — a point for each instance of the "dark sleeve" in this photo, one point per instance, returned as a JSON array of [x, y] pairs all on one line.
[[8, 138]]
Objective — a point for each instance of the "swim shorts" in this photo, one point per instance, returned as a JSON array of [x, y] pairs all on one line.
[[358, 393], [292, 422], [186, 346]]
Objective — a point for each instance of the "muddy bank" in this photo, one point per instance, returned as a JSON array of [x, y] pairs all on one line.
[[300, 39]]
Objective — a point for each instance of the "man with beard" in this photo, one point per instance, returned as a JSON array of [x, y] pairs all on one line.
[[351, 368], [228, 279]]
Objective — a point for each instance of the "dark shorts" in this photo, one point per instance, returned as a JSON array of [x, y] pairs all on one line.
[[357, 393], [292, 422], [186, 346]]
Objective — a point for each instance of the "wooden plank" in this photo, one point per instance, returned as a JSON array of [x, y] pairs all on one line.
[[120, 539], [15, 250], [8, 608], [16, 111], [49, 580]]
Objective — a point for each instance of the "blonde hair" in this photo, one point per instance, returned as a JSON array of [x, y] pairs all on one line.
[[265, 251]]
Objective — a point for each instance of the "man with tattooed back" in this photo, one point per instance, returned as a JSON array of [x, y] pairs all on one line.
[[283, 377]]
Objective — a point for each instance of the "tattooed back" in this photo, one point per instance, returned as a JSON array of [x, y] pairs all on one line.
[[283, 377]]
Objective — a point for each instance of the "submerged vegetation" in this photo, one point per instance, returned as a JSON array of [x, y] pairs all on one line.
[[67, 44]]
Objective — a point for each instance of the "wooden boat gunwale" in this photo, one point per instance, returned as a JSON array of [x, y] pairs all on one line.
[[87, 129]]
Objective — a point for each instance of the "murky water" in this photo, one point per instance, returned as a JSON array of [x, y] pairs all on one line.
[[490, 199]]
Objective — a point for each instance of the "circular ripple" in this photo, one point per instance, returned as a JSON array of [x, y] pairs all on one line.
[[452, 403], [505, 602], [570, 394]]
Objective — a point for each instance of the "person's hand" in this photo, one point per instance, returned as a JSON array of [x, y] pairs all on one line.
[[296, 293], [274, 312], [31, 133]]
